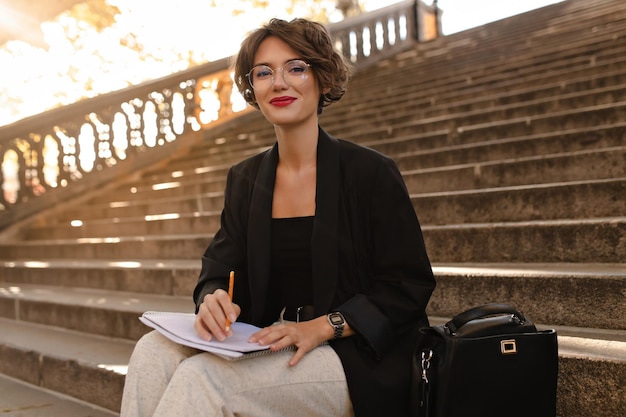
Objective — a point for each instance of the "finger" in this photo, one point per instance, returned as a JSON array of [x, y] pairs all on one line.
[[201, 328], [227, 305], [215, 308], [217, 327], [212, 319], [295, 359], [259, 337], [268, 335], [221, 306]]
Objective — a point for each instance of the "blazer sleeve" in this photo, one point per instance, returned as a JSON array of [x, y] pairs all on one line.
[[226, 251], [399, 271]]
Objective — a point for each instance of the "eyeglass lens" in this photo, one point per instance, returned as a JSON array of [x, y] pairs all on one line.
[[295, 72]]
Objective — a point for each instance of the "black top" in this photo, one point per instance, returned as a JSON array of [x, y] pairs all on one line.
[[291, 260]]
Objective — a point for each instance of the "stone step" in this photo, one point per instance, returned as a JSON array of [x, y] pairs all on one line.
[[491, 129], [477, 54], [437, 146], [219, 153], [569, 200], [570, 295], [137, 190], [123, 248], [175, 277], [566, 200], [440, 80], [421, 150], [488, 76], [149, 224], [146, 206], [574, 199], [568, 240], [577, 241], [395, 114], [408, 155], [20, 399], [92, 368], [581, 161], [169, 180], [84, 366], [607, 72], [583, 117], [94, 311], [62, 293], [563, 167]]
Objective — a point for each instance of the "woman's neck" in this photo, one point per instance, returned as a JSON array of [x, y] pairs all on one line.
[[297, 147]]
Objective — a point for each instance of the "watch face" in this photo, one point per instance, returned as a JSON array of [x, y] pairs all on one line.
[[335, 319]]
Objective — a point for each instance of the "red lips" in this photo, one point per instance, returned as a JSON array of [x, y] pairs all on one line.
[[282, 101]]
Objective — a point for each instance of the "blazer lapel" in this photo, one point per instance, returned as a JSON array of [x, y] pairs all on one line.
[[324, 241], [259, 232]]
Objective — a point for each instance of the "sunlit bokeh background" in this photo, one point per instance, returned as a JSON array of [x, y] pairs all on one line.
[[112, 44]]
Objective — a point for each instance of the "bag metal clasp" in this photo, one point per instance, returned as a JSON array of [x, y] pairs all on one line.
[[508, 347], [426, 358]]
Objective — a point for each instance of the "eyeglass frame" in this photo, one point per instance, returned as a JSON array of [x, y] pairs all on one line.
[[281, 69]]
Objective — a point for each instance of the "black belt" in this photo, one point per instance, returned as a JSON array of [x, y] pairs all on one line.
[[298, 314]]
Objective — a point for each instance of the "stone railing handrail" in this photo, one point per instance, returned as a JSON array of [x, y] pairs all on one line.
[[66, 151]]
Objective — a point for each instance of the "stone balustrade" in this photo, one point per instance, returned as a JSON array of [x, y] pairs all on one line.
[[44, 156]]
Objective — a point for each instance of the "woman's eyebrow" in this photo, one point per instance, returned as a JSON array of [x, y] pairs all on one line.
[[267, 64]]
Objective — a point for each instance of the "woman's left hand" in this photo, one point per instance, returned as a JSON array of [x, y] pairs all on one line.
[[306, 336]]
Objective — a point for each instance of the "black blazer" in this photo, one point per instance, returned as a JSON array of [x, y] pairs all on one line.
[[369, 262]]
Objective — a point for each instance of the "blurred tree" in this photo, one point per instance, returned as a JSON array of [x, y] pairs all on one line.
[[99, 46], [97, 13]]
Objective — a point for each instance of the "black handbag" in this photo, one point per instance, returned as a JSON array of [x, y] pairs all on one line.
[[487, 361]]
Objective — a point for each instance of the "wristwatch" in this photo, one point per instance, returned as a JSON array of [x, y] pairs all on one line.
[[338, 322]]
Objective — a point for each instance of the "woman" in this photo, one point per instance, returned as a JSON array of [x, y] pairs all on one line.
[[326, 247]]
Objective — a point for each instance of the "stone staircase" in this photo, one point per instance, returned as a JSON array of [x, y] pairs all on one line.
[[512, 141]]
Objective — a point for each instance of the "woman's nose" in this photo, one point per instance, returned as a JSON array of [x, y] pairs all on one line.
[[279, 80]]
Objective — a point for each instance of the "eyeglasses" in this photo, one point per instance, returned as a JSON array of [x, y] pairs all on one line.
[[261, 77]]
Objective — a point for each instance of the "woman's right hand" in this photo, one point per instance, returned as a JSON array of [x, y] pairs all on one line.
[[211, 318]]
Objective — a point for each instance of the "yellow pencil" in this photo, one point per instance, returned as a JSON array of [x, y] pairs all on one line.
[[231, 285]]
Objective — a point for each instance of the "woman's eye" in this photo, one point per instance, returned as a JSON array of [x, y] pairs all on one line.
[[263, 73], [297, 68]]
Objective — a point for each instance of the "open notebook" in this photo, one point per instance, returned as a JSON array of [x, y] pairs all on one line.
[[178, 327]]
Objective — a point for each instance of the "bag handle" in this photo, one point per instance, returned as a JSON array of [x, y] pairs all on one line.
[[482, 311]]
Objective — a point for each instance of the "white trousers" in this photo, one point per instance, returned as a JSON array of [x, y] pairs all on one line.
[[166, 379]]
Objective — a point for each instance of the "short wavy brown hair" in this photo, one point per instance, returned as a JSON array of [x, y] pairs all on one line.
[[314, 44]]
